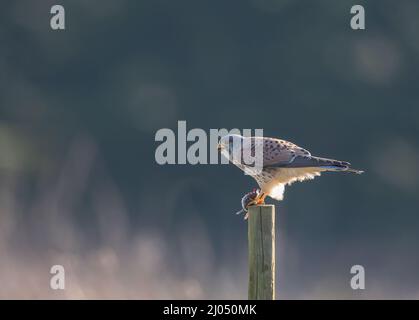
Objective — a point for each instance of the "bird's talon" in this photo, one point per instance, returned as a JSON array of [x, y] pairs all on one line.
[[260, 201]]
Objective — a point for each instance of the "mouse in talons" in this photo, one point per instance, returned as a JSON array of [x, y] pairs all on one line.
[[251, 198]]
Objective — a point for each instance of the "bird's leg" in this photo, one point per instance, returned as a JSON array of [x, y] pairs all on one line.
[[260, 199]]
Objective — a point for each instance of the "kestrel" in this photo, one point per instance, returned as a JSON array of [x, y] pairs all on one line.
[[283, 163]]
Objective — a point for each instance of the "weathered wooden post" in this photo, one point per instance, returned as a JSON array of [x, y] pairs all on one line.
[[261, 238]]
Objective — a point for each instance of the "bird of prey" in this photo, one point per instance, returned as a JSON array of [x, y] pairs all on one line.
[[282, 163]]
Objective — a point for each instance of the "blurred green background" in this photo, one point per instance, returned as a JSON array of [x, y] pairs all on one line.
[[79, 109]]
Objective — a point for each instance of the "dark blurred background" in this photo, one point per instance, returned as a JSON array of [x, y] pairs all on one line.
[[79, 185]]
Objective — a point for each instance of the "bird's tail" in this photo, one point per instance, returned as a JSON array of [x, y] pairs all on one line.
[[341, 168], [323, 163], [354, 171]]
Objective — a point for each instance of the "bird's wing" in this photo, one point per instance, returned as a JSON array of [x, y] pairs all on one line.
[[283, 154], [278, 152]]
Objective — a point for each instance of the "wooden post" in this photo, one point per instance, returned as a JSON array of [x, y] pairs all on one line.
[[261, 237]]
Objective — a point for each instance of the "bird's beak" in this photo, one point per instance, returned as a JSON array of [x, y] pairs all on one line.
[[219, 147]]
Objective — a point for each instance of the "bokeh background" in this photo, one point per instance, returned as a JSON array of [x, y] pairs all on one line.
[[79, 185]]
